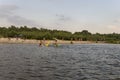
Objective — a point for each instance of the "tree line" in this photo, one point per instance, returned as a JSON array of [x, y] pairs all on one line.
[[25, 32]]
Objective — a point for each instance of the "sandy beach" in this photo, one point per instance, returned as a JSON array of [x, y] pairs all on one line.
[[33, 41]]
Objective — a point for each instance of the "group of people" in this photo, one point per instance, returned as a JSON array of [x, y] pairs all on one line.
[[47, 44], [43, 43]]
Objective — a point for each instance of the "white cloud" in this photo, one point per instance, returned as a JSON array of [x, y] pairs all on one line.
[[7, 12]]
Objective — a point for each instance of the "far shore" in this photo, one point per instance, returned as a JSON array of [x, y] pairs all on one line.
[[33, 41]]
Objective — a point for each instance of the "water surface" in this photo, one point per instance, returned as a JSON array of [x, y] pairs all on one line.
[[66, 62]]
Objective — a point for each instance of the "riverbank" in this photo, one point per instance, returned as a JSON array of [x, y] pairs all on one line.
[[32, 41]]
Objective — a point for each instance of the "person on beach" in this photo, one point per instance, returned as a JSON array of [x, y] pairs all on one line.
[[44, 41], [71, 42]]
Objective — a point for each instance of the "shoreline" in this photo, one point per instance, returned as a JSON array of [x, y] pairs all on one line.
[[33, 41]]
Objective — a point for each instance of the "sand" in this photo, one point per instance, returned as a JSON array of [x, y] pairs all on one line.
[[32, 41]]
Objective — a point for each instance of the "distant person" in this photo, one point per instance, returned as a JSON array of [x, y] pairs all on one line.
[[56, 44], [47, 44], [44, 41], [40, 44], [9, 38], [71, 42]]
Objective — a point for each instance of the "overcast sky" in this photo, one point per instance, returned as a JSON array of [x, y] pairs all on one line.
[[101, 16]]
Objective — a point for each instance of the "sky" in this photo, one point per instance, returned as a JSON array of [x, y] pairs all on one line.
[[96, 16]]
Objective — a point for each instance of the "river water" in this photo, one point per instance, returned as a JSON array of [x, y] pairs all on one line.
[[66, 62]]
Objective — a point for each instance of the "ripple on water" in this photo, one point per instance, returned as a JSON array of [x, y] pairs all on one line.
[[66, 62]]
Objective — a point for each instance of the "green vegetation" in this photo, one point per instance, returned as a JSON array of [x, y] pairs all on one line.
[[35, 33]]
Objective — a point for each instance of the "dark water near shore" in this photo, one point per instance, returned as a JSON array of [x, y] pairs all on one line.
[[66, 62]]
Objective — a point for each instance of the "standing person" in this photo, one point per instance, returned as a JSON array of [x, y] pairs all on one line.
[[56, 44], [71, 42], [44, 41]]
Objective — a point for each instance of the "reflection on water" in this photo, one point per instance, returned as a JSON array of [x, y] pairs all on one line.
[[66, 62]]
